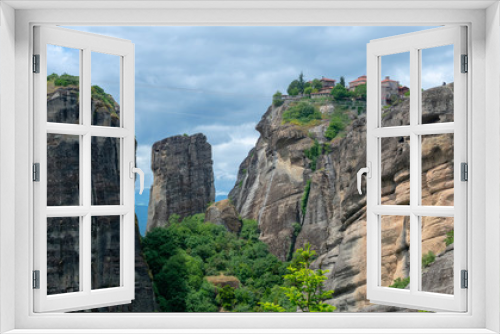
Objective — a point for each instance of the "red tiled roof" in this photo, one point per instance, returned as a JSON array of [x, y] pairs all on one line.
[[388, 80], [361, 78], [326, 79]]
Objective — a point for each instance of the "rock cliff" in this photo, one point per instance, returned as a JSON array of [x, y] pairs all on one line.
[[273, 179], [224, 213], [183, 178], [63, 154]]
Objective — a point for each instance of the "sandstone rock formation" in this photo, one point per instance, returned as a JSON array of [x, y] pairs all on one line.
[[183, 178], [63, 189], [273, 177], [224, 213], [223, 280]]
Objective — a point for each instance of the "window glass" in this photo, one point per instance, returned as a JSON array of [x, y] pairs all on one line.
[[437, 254], [106, 252], [63, 255], [63, 170], [63, 84], [105, 89], [437, 84], [394, 89]]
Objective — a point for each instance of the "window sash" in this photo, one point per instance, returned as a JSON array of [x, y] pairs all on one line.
[[413, 298], [85, 298]]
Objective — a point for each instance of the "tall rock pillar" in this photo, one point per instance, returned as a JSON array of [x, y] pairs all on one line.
[[183, 178]]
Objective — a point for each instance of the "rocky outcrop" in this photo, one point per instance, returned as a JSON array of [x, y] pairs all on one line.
[[63, 174], [274, 176], [224, 213], [183, 178], [223, 280]]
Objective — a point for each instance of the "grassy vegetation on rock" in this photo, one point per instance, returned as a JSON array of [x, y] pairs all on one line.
[[301, 113]]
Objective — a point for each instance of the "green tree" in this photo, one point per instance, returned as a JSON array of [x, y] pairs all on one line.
[[226, 297], [294, 91], [342, 81], [339, 92], [316, 84], [293, 87], [301, 82], [171, 285], [308, 91], [360, 92], [304, 286]]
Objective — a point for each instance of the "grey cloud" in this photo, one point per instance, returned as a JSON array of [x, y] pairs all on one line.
[[193, 77]]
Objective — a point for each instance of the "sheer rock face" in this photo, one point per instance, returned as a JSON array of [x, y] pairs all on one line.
[[224, 213], [183, 178], [63, 189], [272, 179]]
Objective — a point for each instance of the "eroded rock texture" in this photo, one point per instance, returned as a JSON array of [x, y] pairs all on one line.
[[224, 213], [273, 177], [63, 188], [183, 178]]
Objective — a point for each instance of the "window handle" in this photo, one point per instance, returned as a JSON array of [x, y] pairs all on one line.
[[367, 171], [139, 171]]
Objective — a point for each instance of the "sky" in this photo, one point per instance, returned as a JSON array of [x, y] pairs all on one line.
[[220, 80]]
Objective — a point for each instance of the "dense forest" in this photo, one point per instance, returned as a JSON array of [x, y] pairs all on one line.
[[186, 255]]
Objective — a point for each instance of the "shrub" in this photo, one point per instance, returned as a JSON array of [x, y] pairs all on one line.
[[303, 112], [296, 229], [305, 197], [450, 237], [400, 283], [277, 99], [428, 258], [64, 79], [313, 153], [338, 122], [99, 94]]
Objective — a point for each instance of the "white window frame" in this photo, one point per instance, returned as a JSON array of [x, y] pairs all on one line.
[[481, 17], [412, 44], [87, 44]]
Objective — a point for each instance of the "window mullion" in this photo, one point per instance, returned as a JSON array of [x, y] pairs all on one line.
[[414, 171], [86, 108]]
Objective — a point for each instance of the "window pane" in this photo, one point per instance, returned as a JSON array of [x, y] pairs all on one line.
[[395, 257], [394, 91], [105, 171], [63, 84], [105, 252], [395, 171], [437, 84], [437, 170], [437, 254], [105, 89], [63, 255], [63, 170]]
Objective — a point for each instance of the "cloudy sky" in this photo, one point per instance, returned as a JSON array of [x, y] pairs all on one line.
[[220, 80]]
